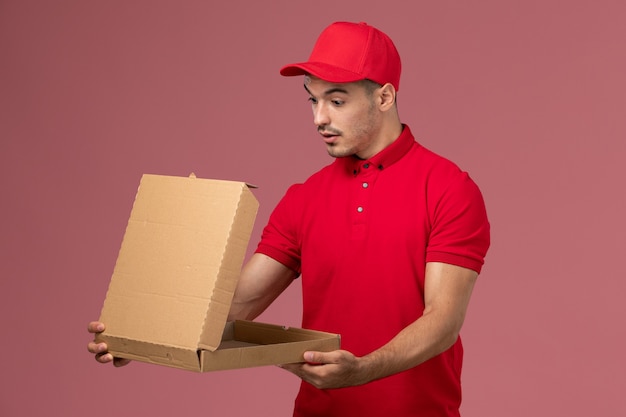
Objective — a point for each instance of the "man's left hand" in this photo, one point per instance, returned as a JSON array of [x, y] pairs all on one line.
[[326, 370]]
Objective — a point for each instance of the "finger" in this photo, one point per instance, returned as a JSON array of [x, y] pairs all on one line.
[[291, 367], [94, 347], [95, 327], [104, 357], [294, 368], [118, 362]]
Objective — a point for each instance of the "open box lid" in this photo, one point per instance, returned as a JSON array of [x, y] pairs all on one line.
[[179, 262]]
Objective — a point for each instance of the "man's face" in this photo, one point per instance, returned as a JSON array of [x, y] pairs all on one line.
[[346, 116]]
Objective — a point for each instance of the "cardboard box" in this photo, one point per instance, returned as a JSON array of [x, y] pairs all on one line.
[[174, 279]]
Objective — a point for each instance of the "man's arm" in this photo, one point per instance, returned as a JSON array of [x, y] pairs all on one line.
[[446, 294], [262, 280]]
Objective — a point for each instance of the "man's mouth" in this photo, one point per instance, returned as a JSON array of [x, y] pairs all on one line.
[[329, 135]]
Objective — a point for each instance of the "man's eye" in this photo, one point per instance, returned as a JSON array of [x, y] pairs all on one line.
[[337, 102], [313, 100]]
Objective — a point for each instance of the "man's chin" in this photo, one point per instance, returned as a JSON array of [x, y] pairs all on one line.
[[337, 151]]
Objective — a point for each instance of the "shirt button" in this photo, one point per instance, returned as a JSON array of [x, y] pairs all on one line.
[[359, 209], [366, 166], [365, 185]]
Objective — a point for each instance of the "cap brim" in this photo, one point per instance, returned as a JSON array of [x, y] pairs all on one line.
[[320, 70]]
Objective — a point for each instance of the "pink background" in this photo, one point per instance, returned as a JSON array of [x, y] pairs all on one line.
[[528, 96]]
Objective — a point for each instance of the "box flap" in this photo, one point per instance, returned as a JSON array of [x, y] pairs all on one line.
[[179, 261]]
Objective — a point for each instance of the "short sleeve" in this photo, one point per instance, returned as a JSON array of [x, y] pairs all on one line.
[[279, 239], [460, 230]]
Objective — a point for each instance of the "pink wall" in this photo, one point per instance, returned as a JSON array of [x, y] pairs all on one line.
[[529, 96]]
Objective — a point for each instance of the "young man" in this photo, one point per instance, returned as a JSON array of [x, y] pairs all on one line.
[[388, 240]]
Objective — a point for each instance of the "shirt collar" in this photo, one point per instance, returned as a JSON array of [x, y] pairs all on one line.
[[385, 158]]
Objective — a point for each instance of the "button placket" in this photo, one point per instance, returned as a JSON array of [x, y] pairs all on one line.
[[365, 177], [358, 203]]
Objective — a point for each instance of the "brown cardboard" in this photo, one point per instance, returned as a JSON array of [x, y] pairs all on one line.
[[174, 279]]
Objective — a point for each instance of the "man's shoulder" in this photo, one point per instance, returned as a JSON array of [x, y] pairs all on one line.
[[426, 161], [436, 173]]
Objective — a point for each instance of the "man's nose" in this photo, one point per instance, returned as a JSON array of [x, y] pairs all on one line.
[[320, 116]]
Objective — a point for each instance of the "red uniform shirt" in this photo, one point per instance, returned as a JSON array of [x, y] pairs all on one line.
[[360, 232]]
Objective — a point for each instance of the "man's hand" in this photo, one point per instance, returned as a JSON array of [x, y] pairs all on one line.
[[101, 349], [326, 370]]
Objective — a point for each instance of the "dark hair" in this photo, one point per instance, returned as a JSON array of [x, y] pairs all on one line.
[[369, 85]]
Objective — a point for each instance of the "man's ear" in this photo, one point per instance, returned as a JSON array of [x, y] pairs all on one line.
[[387, 96]]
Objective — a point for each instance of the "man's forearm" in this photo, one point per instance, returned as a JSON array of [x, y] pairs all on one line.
[[448, 289], [422, 340], [262, 280]]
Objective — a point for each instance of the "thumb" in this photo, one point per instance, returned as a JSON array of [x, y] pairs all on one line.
[[314, 358]]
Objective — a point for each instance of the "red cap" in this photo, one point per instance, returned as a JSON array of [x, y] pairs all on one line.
[[347, 52]]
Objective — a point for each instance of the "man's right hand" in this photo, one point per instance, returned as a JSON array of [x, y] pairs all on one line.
[[101, 349]]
